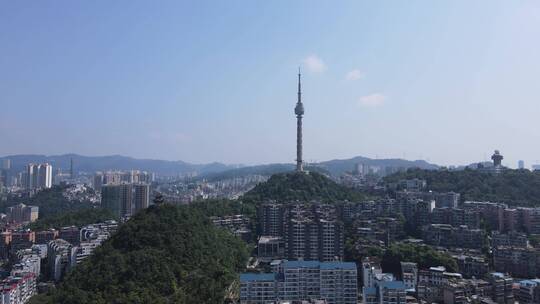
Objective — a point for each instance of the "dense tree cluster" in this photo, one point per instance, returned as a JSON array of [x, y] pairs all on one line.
[[164, 254], [265, 170], [515, 187], [77, 218], [50, 201], [424, 256], [294, 186], [222, 207]]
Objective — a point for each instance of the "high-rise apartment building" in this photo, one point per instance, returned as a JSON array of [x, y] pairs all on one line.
[[18, 288], [44, 176], [5, 173], [141, 198], [271, 219], [6, 164], [98, 182], [61, 258], [31, 176], [22, 213], [38, 176], [502, 289], [335, 282], [311, 232], [121, 177], [117, 198], [125, 199]]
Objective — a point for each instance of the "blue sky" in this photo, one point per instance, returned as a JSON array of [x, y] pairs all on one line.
[[209, 81]]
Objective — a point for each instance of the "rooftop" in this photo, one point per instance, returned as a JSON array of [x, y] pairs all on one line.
[[370, 290], [321, 265], [393, 285], [529, 282], [439, 268], [338, 265], [269, 239], [251, 277]]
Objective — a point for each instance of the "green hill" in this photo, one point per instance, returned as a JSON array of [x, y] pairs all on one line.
[[515, 187], [78, 218], [164, 254], [293, 186], [51, 202]]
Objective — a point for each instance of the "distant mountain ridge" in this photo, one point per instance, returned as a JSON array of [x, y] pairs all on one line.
[[213, 170], [334, 167], [339, 166], [116, 162]]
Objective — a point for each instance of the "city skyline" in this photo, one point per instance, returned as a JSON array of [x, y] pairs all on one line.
[[200, 83], [255, 152]]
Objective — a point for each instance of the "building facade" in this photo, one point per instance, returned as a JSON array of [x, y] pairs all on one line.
[[335, 282], [61, 257], [141, 196], [118, 199]]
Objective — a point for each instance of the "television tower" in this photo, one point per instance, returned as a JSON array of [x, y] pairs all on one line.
[[299, 111], [71, 168]]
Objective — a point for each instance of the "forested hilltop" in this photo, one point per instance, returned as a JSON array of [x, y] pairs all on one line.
[[515, 187], [165, 254], [303, 187], [77, 218], [51, 202]]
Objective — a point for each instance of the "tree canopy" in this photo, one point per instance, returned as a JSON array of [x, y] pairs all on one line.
[[77, 218], [51, 202], [164, 254], [515, 187], [222, 207], [301, 186], [424, 256]]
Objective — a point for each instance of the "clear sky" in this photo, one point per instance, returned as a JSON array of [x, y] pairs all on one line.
[[201, 81]]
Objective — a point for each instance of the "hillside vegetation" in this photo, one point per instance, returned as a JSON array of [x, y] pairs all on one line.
[[292, 186], [515, 187], [424, 256], [164, 254], [222, 207], [51, 202], [77, 218]]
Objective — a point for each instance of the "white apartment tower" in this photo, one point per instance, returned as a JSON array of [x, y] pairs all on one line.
[[38, 176]]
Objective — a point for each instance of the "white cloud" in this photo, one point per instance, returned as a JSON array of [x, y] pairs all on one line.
[[373, 100], [314, 64], [354, 75]]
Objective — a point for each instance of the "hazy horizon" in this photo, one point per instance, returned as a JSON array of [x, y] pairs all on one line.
[[447, 82], [252, 164]]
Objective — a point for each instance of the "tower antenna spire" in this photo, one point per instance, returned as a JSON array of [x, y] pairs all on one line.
[[299, 86], [299, 111]]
